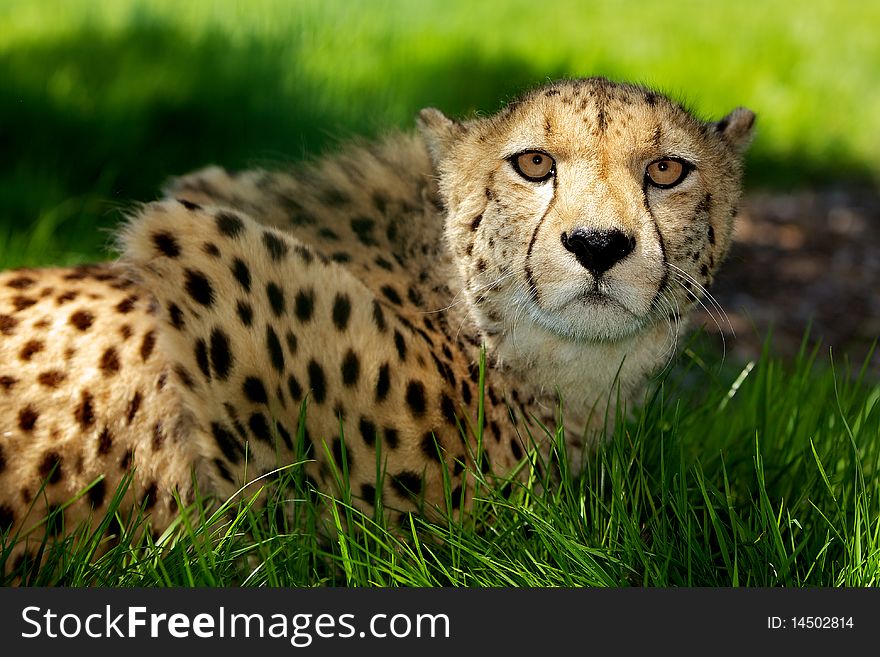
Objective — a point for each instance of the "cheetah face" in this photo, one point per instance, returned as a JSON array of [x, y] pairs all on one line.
[[588, 209]]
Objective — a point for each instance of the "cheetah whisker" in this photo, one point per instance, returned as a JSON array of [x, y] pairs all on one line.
[[707, 294]]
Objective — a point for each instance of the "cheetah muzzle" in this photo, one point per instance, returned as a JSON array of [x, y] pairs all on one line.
[[568, 236]]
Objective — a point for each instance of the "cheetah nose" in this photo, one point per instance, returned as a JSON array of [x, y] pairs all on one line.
[[598, 250]]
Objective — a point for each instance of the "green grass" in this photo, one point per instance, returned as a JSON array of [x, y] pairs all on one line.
[[101, 101], [764, 476]]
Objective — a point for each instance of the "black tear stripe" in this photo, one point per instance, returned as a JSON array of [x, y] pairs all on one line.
[[530, 279], [664, 281]]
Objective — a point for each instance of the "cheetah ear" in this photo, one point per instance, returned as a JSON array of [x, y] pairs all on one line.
[[737, 128], [438, 131]]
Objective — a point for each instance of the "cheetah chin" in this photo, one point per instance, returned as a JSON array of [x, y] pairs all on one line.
[[336, 314]]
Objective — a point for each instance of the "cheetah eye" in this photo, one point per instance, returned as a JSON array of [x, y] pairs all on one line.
[[667, 172], [534, 165]]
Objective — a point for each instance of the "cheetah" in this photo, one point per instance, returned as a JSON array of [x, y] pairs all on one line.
[[343, 309]]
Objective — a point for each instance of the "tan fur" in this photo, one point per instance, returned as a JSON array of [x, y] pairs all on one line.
[[373, 278]]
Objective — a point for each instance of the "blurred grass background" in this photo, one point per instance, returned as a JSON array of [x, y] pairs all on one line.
[[100, 101]]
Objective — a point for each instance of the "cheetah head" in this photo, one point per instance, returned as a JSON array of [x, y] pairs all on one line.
[[587, 208]]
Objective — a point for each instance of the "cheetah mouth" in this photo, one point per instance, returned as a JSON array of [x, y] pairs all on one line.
[[595, 297]]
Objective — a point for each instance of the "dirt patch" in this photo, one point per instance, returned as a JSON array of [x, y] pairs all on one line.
[[806, 258]]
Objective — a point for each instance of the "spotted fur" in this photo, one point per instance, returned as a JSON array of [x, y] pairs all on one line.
[[365, 286]]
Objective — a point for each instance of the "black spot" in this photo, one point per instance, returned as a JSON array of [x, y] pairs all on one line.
[[317, 381], [304, 253], [383, 382], [229, 224], [30, 348], [380, 201], [711, 235], [158, 437], [341, 257], [7, 519], [133, 407], [295, 388], [211, 249], [351, 368], [400, 345], [189, 205], [391, 294], [199, 288], [184, 376], [290, 338], [109, 362], [335, 197], [363, 228], [50, 468], [406, 483], [201, 351], [105, 441], [285, 435], [455, 497], [245, 313], [148, 499], [260, 428], [304, 305], [414, 296], [21, 283], [391, 437], [341, 311], [704, 270], [448, 409], [227, 443], [276, 298], [82, 320], [368, 493], [493, 398], [379, 316], [175, 314], [7, 324], [384, 264], [328, 234], [276, 356], [476, 222], [254, 390], [242, 274], [167, 244], [22, 302], [430, 447], [127, 304], [415, 398], [338, 449], [275, 246], [221, 356], [515, 449], [223, 470], [85, 412], [147, 345], [97, 493], [368, 431]]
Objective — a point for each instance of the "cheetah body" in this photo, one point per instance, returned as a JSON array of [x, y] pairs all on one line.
[[367, 286]]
